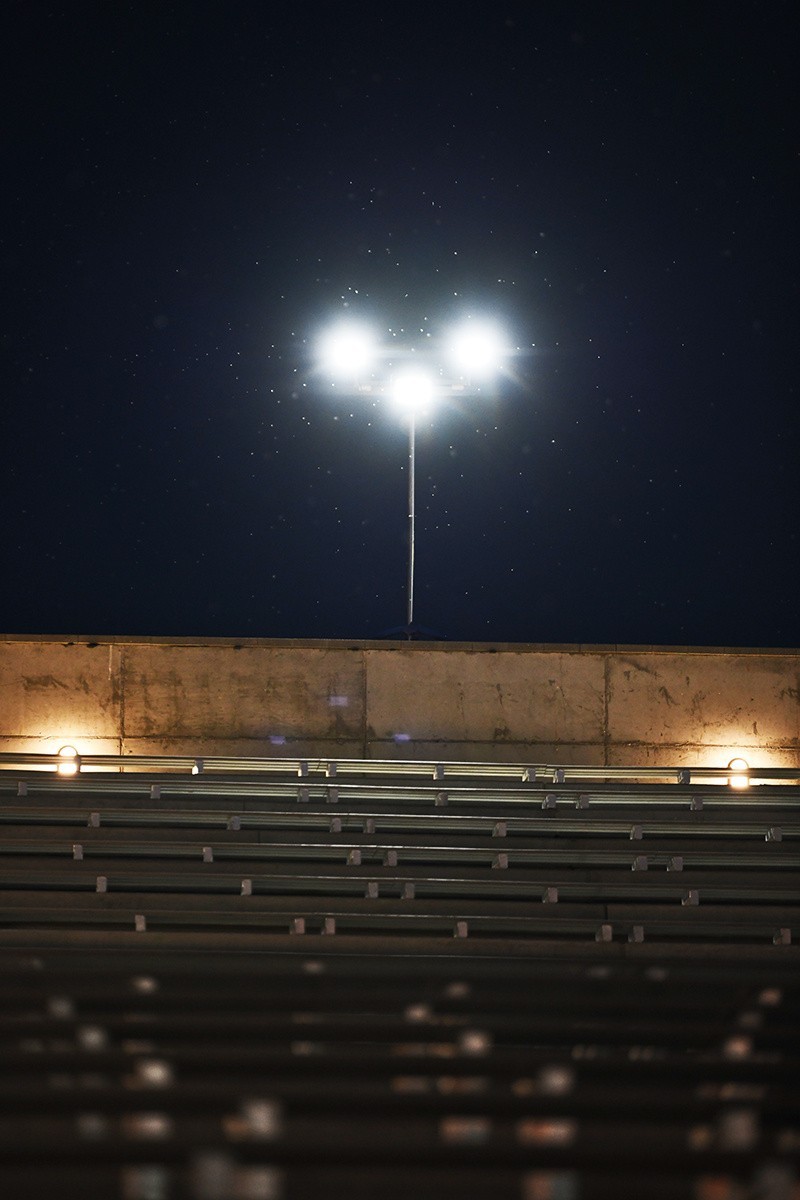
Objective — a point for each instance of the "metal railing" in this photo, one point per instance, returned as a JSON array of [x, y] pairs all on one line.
[[437, 771]]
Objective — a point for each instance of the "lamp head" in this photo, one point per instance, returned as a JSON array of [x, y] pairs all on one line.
[[347, 352], [413, 390], [477, 349], [739, 773], [69, 761]]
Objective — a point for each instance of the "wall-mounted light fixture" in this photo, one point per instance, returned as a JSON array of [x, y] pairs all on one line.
[[739, 776], [69, 761]]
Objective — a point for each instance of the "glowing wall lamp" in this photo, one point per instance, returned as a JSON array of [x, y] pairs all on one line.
[[69, 761], [739, 773]]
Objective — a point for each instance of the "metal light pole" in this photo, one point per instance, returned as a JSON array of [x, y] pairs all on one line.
[[414, 390], [412, 515]]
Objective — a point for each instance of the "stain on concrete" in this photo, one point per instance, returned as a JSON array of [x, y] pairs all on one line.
[[461, 709], [39, 683]]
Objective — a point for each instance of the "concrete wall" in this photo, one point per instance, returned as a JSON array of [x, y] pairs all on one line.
[[559, 704]]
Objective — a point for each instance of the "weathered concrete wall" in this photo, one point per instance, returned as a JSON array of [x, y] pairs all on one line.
[[513, 702], [572, 704]]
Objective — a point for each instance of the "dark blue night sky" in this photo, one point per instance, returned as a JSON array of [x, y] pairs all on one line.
[[192, 191]]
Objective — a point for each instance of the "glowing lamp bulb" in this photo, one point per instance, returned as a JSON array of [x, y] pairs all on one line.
[[347, 352], [477, 350], [70, 762], [412, 390], [739, 777]]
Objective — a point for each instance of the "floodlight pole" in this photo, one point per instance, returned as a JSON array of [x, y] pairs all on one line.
[[411, 515], [349, 355]]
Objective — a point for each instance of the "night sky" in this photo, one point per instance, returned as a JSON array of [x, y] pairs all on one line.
[[192, 192]]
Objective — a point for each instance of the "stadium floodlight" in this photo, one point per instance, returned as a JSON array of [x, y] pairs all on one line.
[[476, 350], [414, 379], [413, 391], [347, 352]]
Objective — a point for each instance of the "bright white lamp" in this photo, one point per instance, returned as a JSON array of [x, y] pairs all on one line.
[[476, 349], [412, 390], [347, 352]]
